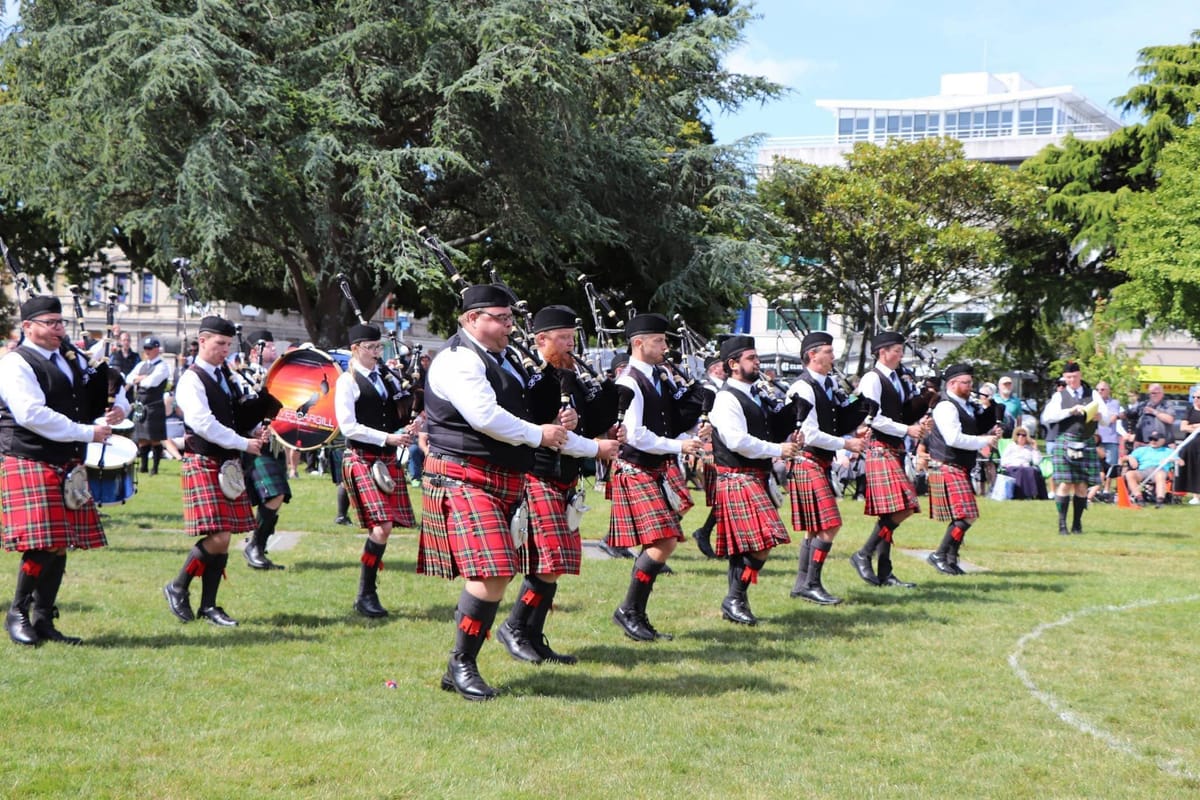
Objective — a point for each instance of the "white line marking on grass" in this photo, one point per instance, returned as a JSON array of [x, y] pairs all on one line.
[[1175, 767]]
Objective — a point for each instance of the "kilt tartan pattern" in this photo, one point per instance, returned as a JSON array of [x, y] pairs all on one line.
[[372, 505], [552, 549], [888, 488], [465, 510], [747, 521], [951, 496], [1078, 470], [33, 513], [205, 508], [678, 482], [640, 514], [814, 507], [710, 483], [266, 478]]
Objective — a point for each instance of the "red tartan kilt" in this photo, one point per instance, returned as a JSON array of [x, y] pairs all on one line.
[[888, 488], [951, 496], [814, 506], [205, 508], [552, 549], [710, 483], [464, 525], [34, 516], [747, 521], [640, 514], [372, 505], [678, 482]]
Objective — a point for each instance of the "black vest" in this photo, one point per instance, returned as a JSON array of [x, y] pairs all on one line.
[[891, 405], [451, 434], [656, 415], [548, 463], [827, 415], [153, 394], [940, 451], [62, 396], [374, 411], [1075, 426], [756, 426], [221, 406]]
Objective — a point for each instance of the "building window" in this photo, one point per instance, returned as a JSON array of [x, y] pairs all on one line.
[[147, 288], [954, 322], [121, 286], [806, 318], [97, 290]]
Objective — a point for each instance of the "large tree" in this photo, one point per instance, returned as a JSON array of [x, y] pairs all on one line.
[[279, 142], [900, 234]]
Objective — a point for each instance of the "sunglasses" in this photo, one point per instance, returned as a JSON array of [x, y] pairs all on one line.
[[1022, 435]]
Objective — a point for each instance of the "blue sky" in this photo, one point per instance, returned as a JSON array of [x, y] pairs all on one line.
[[888, 49]]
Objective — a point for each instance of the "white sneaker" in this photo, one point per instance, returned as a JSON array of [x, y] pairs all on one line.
[[1195, 501]]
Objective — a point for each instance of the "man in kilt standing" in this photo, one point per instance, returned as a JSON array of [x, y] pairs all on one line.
[[748, 524], [890, 495], [266, 473], [554, 548], [481, 445], [641, 511], [1076, 462], [814, 506], [960, 430], [46, 413], [149, 382], [366, 402], [205, 396]]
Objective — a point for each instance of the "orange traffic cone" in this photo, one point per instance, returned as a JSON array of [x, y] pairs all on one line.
[[1123, 500]]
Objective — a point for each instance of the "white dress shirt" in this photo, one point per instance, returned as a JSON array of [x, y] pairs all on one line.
[[870, 388], [729, 421], [24, 397], [949, 425], [158, 373], [192, 401], [459, 377], [345, 394], [1054, 411], [809, 426], [637, 435]]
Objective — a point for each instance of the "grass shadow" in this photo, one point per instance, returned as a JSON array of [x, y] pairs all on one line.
[[254, 633], [573, 685]]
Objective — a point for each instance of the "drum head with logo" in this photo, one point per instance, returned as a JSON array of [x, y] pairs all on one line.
[[303, 380], [116, 452]]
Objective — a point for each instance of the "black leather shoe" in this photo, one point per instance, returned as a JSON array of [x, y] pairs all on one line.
[[1062, 529], [217, 616], [702, 542], [544, 650], [735, 609], [666, 637], [1076, 529], [636, 626], [862, 564], [43, 623], [518, 644], [257, 557], [342, 521], [818, 595], [616, 552], [368, 605], [462, 676], [892, 580], [20, 629], [179, 601], [940, 563], [666, 570]]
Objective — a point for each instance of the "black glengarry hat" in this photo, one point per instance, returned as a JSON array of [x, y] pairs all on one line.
[[552, 318], [734, 346], [488, 295], [365, 333], [217, 325]]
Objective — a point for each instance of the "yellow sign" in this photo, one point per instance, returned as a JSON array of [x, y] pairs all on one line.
[[1174, 380]]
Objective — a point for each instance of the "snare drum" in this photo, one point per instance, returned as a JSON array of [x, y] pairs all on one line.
[[110, 469]]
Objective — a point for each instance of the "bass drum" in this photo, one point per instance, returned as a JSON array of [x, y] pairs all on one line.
[[303, 381]]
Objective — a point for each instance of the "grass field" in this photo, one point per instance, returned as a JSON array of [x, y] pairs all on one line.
[[1067, 669]]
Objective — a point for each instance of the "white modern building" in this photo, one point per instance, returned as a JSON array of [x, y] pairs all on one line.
[[999, 118]]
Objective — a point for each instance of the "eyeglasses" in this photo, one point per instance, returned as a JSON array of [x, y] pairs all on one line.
[[1022, 435], [51, 323], [377, 347], [503, 319]]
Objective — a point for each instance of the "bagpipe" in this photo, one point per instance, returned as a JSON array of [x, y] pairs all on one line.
[[400, 388]]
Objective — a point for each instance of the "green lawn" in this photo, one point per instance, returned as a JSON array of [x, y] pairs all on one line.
[[1069, 668]]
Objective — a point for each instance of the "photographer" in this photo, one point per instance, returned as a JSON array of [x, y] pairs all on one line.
[[1149, 418]]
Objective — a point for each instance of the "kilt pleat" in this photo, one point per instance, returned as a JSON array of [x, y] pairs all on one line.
[[951, 496], [1077, 470], [464, 520], [205, 508], [814, 506], [710, 483], [888, 488], [640, 514], [33, 514], [678, 482], [266, 478], [552, 548], [747, 521], [373, 506]]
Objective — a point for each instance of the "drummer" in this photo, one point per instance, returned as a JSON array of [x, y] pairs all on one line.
[[266, 475], [149, 381], [369, 419], [45, 419]]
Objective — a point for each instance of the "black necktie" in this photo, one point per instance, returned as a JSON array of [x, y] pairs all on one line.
[[829, 387]]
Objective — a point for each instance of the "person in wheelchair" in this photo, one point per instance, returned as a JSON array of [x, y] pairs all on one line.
[[1154, 460]]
